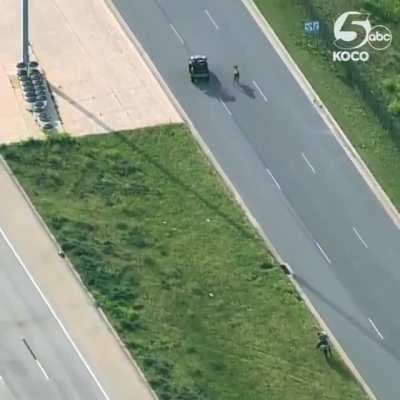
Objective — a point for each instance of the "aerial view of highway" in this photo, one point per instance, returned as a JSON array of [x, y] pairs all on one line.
[[303, 160]]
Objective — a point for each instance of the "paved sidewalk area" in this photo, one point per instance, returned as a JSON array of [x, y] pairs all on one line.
[[15, 122], [99, 347], [100, 81]]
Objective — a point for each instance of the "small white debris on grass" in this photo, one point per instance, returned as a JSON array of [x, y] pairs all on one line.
[[208, 220], [211, 295]]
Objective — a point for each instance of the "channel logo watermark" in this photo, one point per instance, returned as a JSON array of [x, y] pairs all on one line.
[[355, 35]]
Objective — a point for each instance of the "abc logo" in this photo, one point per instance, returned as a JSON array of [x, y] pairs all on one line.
[[353, 30], [380, 37]]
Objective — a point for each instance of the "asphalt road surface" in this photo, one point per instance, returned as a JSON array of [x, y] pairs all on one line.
[[288, 168], [37, 359]]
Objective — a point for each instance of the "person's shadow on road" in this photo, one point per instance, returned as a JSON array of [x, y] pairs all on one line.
[[247, 90]]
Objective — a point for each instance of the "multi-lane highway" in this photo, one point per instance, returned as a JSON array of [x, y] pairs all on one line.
[[38, 359], [289, 169]]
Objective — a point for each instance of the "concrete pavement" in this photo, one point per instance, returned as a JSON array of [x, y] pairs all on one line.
[[24, 314], [100, 82], [37, 361], [288, 168], [15, 122]]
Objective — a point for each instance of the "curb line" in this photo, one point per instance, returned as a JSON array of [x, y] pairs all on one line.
[[127, 353]]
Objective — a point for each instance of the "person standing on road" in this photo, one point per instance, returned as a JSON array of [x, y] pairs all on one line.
[[236, 74], [324, 345]]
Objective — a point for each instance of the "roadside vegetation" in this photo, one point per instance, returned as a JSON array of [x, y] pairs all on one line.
[[363, 98], [186, 282]]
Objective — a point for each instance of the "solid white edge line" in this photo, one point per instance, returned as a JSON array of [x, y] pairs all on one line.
[[360, 238], [225, 106], [323, 253], [376, 329], [54, 314], [42, 369], [308, 163], [211, 19], [273, 178], [260, 91], [177, 34]]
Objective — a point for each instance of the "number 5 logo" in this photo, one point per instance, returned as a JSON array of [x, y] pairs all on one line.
[[351, 30]]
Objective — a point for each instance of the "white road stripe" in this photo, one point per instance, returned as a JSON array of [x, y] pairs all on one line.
[[360, 238], [177, 34], [54, 315], [376, 329], [225, 106], [211, 19], [260, 91], [308, 163], [323, 253], [273, 178], [5, 390], [42, 369]]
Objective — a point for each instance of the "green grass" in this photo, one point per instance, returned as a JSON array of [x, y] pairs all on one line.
[[378, 148], [381, 72], [185, 280]]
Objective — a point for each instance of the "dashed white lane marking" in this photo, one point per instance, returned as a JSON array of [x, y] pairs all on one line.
[[42, 369], [225, 106], [360, 238], [273, 178], [323, 253], [35, 358], [376, 329], [177, 34], [260, 91], [211, 19], [5, 390], [308, 163], [55, 316]]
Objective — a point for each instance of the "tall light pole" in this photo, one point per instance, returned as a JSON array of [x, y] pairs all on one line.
[[25, 31]]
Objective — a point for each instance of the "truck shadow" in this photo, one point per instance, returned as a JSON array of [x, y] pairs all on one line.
[[214, 88]]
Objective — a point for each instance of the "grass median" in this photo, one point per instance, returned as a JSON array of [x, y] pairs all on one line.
[[379, 149], [185, 280]]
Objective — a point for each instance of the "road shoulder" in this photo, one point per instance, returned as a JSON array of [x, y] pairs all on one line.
[[60, 285]]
